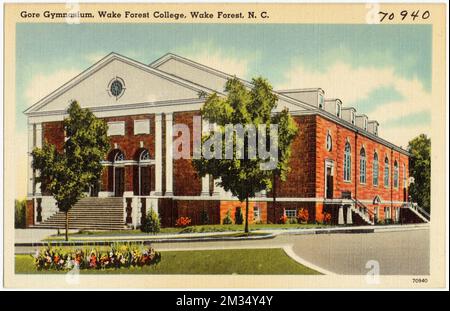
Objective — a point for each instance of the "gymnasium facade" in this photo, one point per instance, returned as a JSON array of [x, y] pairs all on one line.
[[341, 169]]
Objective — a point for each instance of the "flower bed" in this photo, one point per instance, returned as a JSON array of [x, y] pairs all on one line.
[[114, 257]]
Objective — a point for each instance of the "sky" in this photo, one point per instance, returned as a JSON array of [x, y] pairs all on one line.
[[383, 71]]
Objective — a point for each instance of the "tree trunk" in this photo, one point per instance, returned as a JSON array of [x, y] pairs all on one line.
[[67, 225], [246, 215], [274, 196]]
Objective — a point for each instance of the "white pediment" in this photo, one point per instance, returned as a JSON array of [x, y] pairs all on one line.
[[141, 84]]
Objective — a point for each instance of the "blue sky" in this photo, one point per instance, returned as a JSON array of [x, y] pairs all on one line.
[[382, 70]]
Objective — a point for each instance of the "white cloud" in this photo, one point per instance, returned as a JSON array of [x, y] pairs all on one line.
[[352, 84], [43, 84]]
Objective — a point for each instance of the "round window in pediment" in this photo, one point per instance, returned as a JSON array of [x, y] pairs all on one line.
[[116, 87]]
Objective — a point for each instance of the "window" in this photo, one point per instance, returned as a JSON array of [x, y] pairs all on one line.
[[375, 169], [404, 175], [320, 101], [290, 213], [387, 212], [145, 156], [116, 128], [256, 213], [338, 110], [119, 157], [395, 174], [329, 142], [386, 172], [141, 126], [347, 162], [362, 166], [352, 117], [365, 124]]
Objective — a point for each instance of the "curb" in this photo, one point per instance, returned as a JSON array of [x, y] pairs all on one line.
[[144, 241]]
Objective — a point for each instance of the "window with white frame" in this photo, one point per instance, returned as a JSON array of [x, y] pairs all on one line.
[[329, 142], [352, 117], [362, 166], [320, 101], [141, 126], [290, 213], [256, 213], [116, 128], [386, 172], [387, 212], [338, 110], [347, 162], [375, 169], [395, 174], [404, 175]]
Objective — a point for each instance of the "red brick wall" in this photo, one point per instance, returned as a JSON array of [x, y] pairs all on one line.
[[53, 133], [366, 191], [186, 181], [232, 205], [170, 210], [300, 181]]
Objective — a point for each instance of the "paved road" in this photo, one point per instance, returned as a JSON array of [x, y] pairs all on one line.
[[398, 253]]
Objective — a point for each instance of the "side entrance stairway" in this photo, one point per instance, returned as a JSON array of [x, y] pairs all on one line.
[[90, 213], [411, 212], [362, 212]]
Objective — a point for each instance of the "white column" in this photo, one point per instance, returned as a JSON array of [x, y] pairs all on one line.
[[38, 135], [158, 154], [205, 180], [169, 155], [349, 216], [341, 215], [30, 175]]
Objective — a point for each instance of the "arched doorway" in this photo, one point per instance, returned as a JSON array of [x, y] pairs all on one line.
[[142, 179], [117, 172]]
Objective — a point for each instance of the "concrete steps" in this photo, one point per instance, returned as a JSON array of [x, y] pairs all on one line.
[[90, 213]]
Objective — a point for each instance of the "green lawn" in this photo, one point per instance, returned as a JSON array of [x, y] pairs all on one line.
[[197, 229], [236, 261]]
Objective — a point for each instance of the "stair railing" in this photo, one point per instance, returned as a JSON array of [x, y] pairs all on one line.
[[364, 210]]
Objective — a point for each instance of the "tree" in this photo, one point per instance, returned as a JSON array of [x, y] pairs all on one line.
[[240, 172], [151, 223], [420, 169], [68, 173]]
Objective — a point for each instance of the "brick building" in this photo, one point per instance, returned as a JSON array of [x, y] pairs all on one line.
[[339, 164]]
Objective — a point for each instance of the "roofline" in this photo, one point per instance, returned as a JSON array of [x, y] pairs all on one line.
[[224, 75], [348, 108], [310, 89], [99, 64], [353, 128]]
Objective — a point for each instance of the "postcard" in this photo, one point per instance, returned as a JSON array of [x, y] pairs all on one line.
[[239, 145]]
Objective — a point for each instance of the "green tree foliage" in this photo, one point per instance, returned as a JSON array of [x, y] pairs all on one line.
[[20, 213], [243, 177], [151, 223], [420, 169], [67, 174]]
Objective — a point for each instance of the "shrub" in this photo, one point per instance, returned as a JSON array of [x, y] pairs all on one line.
[[238, 218], [204, 217], [117, 256], [183, 222], [227, 220], [302, 215], [283, 219], [327, 218], [20, 213], [292, 221], [151, 223]]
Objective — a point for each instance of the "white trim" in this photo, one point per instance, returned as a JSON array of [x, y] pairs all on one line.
[[169, 154], [158, 155]]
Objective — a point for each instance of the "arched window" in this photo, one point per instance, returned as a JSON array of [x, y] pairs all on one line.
[[119, 156], [386, 172], [395, 174], [362, 166], [329, 142], [144, 155], [375, 169], [347, 162]]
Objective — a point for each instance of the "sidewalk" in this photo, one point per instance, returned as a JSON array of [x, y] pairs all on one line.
[[28, 237]]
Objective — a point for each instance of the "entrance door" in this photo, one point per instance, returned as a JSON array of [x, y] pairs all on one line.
[[145, 180], [119, 183], [404, 194], [328, 181]]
